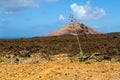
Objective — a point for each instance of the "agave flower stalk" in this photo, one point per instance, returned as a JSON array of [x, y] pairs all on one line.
[[77, 37]]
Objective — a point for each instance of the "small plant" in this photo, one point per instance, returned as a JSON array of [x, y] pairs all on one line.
[[24, 53], [82, 57], [3, 59], [114, 59]]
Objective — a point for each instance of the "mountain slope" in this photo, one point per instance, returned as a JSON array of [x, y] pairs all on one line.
[[73, 29]]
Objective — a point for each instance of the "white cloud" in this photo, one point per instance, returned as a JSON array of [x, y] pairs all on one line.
[[86, 12], [14, 6], [61, 18]]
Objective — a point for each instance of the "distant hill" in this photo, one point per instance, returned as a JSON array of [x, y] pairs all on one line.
[[73, 29]]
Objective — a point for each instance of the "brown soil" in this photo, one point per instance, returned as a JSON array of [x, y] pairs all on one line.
[[60, 70]]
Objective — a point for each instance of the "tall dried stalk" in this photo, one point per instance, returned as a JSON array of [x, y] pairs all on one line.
[[87, 43], [72, 19], [77, 37]]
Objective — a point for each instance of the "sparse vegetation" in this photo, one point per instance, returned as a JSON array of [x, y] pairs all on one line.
[[3, 59], [82, 57], [62, 44], [114, 59]]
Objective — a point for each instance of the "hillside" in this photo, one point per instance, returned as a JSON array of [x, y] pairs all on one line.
[[73, 29]]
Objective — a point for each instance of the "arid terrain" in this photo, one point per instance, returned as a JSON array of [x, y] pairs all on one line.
[[57, 58], [105, 46], [61, 69], [59, 40]]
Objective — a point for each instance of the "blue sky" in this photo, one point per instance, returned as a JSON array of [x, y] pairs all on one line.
[[29, 18]]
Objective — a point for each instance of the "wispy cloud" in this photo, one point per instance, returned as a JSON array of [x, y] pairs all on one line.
[[61, 18], [3, 21], [14, 6], [86, 12]]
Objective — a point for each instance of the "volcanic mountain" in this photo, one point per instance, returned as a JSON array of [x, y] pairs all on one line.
[[73, 28]]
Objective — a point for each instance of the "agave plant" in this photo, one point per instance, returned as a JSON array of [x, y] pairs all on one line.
[[81, 56]]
